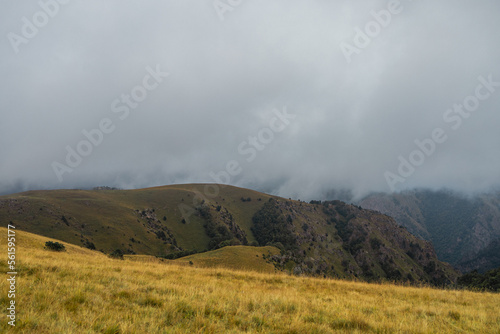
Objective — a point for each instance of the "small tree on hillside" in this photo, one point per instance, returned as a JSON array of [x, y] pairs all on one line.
[[54, 246], [117, 254]]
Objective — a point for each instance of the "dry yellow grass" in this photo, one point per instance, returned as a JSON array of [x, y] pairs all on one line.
[[80, 291], [234, 257]]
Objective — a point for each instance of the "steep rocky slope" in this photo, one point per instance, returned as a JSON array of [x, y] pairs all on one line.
[[464, 231]]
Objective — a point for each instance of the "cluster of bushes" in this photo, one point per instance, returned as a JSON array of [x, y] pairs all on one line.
[[375, 243], [415, 249], [89, 245], [116, 254], [269, 226], [54, 246], [355, 244], [105, 188], [391, 272], [329, 208], [161, 235], [343, 229], [219, 233], [430, 267], [343, 210], [489, 281], [339, 214], [164, 234], [203, 211]]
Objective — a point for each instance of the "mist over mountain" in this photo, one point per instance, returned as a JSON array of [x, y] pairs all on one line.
[[171, 92]]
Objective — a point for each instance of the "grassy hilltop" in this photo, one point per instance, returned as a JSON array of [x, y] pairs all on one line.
[[84, 291], [111, 218]]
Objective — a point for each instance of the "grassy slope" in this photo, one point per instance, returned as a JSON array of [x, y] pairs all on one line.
[[230, 257], [234, 257], [90, 213], [157, 298]]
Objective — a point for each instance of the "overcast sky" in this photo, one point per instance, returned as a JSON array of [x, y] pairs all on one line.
[[353, 109]]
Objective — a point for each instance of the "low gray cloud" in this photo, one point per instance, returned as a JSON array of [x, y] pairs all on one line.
[[356, 113]]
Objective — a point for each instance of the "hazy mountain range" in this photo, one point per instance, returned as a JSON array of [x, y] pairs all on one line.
[[465, 230]]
